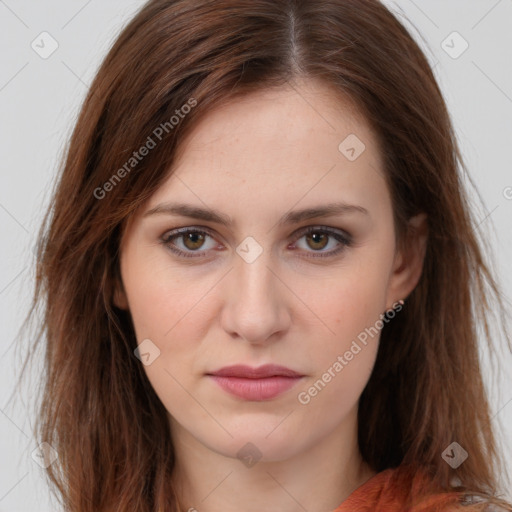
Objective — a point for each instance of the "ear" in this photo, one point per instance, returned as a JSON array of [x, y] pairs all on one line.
[[409, 258], [119, 295]]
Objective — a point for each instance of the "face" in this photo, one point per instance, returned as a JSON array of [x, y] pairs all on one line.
[[262, 284]]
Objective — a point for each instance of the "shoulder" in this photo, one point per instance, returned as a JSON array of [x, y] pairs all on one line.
[[411, 489], [397, 489]]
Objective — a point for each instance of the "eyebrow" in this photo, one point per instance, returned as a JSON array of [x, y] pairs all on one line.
[[212, 215]]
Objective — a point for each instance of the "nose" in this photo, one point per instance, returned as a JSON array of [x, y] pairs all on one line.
[[257, 302]]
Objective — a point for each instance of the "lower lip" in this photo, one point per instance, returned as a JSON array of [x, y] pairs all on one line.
[[256, 389]]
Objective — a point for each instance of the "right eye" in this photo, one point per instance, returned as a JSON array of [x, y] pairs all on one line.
[[192, 239]]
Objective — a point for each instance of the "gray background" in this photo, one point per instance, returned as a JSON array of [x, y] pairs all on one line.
[[39, 101]]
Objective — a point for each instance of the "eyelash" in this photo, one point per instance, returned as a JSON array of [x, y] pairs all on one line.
[[344, 239]]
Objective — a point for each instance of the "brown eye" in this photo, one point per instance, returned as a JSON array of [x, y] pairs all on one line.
[[319, 240], [193, 240], [188, 242]]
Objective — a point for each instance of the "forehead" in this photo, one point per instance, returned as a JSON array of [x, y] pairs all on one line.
[[289, 118], [275, 148]]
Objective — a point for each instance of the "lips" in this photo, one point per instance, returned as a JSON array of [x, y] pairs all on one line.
[[247, 372], [256, 384]]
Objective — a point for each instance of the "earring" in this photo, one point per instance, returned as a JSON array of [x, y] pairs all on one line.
[[395, 308]]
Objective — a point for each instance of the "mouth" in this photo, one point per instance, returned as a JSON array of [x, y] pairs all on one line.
[[255, 384]]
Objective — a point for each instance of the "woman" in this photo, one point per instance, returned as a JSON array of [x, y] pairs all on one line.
[[260, 272]]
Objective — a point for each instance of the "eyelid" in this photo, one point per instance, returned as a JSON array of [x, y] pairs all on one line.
[[324, 229]]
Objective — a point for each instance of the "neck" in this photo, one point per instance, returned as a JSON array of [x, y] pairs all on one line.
[[316, 478]]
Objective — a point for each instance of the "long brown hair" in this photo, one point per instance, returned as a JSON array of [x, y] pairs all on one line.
[[98, 409]]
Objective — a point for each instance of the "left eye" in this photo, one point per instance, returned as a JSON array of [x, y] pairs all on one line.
[[193, 239], [318, 239]]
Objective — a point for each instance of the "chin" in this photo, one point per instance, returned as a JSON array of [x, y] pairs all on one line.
[[256, 445]]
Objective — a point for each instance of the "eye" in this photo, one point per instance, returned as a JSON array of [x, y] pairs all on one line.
[[317, 238], [192, 241]]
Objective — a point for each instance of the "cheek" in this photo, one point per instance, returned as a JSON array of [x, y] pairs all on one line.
[[351, 307], [163, 312], [160, 296], [345, 363], [171, 310], [350, 301]]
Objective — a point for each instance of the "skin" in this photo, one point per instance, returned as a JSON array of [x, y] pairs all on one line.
[[255, 159]]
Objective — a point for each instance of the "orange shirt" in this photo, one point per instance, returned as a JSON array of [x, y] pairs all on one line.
[[381, 493]]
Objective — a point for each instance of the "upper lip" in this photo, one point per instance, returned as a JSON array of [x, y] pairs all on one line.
[[267, 370]]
